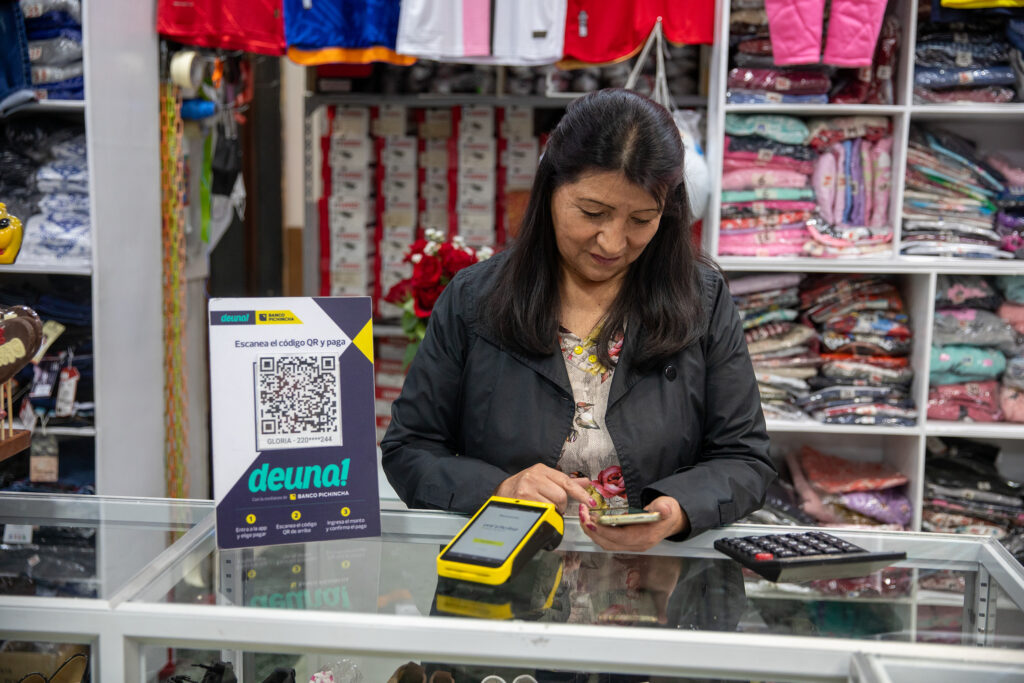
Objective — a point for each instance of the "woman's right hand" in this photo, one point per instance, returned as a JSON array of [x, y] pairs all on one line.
[[547, 485]]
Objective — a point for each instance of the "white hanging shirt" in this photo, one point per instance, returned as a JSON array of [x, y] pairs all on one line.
[[511, 32]]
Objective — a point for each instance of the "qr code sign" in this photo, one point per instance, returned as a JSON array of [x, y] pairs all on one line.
[[298, 402]]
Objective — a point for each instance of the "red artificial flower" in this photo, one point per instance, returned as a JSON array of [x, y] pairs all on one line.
[[427, 272], [400, 292], [424, 298], [416, 247], [454, 259]]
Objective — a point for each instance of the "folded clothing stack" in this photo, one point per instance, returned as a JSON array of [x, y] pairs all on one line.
[[805, 188], [952, 196], [966, 494], [866, 340], [755, 77], [59, 234], [1009, 221], [54, 29], [839, 492], [1011, 393], [784, 352], [970, 343], [978, 60]]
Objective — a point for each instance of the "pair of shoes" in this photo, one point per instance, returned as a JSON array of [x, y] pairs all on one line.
[[218, 672], [71, 671], [410, 672]]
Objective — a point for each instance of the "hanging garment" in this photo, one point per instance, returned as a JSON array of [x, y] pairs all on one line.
[[347, 31], [597, 31], [249, 25], [518, 32], [796, 27]]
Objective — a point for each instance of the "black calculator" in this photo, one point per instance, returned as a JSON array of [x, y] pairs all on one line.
[[804, 556]]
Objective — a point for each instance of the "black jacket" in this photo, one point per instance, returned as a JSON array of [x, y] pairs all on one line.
[[473, 412]]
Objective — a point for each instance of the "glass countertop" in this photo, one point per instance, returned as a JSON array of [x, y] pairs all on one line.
[[79, 546], [950, 590]]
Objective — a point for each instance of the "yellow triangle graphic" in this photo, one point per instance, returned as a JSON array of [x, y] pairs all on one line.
[[364, 340]]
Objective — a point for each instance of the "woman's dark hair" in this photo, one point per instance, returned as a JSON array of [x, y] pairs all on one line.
[[607, 130]]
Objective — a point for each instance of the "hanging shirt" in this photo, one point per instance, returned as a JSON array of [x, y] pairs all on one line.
[[249, 25], [599, 31], [349, 31], [510, 32]]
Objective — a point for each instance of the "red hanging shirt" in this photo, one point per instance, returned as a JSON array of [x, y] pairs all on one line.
[[249, 25]]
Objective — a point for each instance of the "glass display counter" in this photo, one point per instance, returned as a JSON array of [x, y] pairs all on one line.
[[365, 607]]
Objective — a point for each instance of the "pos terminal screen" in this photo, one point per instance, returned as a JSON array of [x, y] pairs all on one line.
[[494, 534]]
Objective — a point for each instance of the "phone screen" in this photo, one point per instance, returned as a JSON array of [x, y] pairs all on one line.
[[494, 534]]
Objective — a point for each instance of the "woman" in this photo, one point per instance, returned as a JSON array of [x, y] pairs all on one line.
[[597, 347]]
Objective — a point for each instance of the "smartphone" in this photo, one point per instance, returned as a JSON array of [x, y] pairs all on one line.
[[624, 516]]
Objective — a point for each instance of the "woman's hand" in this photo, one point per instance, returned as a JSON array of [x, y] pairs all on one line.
[[547, 485], [638, 537]]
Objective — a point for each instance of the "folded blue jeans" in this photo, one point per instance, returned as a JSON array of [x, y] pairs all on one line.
[[15, 74]]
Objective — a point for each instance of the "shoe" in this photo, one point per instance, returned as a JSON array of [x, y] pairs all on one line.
[[33, 678], [72, 670]]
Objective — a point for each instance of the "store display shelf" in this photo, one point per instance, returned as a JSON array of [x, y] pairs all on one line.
[[763, 590], [60, 431], [436, 100], [809, 265], [808, 426], [963, 265], [982, 430], [45, 270], [968, 110], [52, 106], [817, 109]]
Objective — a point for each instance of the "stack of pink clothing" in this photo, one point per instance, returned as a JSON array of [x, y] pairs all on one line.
[[795, 187]]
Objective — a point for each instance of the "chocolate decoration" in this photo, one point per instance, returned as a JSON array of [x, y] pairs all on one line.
[[26, 313], [19, 340]]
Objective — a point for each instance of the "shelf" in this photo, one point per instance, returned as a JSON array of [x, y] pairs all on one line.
[[45, 270], [51, 106], [968, 110], [895, 265], [434, 100], [60, 431], [991, 430], [811, 265], [812, 426], [817, 109]]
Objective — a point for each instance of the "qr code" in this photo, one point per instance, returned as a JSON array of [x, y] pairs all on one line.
[[298, 402]]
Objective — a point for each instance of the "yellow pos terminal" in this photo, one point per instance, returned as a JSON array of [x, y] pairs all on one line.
[[500, 539]]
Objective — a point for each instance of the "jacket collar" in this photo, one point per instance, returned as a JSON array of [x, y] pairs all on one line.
[[552, 366]]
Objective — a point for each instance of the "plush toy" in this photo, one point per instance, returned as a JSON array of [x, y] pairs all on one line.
[[10, 236]]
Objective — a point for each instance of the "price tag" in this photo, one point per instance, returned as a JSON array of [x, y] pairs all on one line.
[[17, 534], [27, 416], [66, 392], [44, 378], [765, 155], [864, 74], [43, 468], [961, 38], [885, 73], [963, 58], [783, 83]]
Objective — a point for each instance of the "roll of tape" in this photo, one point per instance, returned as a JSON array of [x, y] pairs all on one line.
[[187, 69]]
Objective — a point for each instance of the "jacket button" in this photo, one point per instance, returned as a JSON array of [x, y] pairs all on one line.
[[670, 373]]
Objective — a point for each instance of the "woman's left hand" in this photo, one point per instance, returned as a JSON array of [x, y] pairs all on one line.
[[638, 537]]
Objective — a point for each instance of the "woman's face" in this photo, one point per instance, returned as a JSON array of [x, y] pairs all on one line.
[[602, 224]]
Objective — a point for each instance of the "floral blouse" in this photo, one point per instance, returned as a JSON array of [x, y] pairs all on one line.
[[588, 451]]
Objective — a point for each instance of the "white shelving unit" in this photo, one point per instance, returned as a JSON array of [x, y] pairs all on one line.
[[121, 112], [993, 126]]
